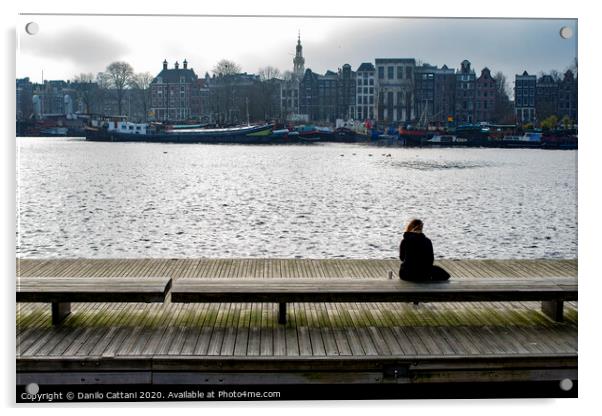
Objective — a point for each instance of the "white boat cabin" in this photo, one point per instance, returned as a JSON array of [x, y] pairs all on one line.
[[127, 127]]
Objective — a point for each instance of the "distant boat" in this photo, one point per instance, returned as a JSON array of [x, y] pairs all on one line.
[[132, 132], [345, 134], [325, 133], [308, 133]]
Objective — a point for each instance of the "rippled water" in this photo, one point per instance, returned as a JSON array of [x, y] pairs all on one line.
[[85, 199]]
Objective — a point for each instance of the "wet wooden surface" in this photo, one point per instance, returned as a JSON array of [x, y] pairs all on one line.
[[325, 330]]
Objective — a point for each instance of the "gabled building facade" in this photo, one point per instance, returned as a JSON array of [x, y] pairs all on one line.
[[524, 97], [174, 92], [485, 97], [395, 89], [365, 92], [567, 96], [465, 96]]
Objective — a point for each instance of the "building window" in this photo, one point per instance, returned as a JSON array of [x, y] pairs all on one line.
[[408, 72], [399, 72], [390, 70]]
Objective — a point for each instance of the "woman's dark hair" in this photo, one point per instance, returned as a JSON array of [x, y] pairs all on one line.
[[414, 226]]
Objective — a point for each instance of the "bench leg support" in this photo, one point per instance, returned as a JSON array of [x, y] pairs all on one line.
[[60, 310], [282, 313], [553, 309]]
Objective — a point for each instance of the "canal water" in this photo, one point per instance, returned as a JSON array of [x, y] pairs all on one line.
[[107, 200]]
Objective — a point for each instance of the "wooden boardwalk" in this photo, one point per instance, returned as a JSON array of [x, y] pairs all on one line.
[[168, 342]]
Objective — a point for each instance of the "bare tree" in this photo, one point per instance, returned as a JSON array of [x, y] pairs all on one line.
[[226, 67], [85, 89], [119, 75], [287, 75], [556, 76], [503, 112], [268, 72], [89, 77], [100, 97], [141, 83], [573, 66]]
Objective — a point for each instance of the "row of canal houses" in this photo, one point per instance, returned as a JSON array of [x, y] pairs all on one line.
[[397, 90], [389, 90]]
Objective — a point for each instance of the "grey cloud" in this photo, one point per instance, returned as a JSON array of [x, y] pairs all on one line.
[[86, 49], [509, 45]]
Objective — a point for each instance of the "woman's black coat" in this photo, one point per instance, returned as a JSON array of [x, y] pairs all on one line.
[[416, 254]]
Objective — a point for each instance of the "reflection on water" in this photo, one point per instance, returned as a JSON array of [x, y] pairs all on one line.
[[83, 199]]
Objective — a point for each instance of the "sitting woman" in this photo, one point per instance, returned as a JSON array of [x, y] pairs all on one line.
[[416, 255]]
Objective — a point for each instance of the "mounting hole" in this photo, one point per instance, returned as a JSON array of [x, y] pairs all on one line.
[[32, 388], [566, 384], [32, 28], [566, 32]]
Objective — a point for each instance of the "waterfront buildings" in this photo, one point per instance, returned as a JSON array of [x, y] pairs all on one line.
[[465, 96], [232, 97], [365, 92], [444, 96], [346, 94], [424, 93], [318, 96], [394, 89], [546, 97], [24, 103], [485, 97], [567, 96], [524, 97], [172, 93]]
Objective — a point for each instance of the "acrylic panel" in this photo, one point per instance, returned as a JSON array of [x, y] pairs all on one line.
[[269, 208]]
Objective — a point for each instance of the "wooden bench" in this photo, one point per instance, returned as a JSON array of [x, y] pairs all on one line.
[[552, 292], [61, 291]]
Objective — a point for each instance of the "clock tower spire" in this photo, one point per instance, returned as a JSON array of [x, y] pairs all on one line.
[[299, 61]]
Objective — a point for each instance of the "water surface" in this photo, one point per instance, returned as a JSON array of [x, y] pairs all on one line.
[[91, 199]]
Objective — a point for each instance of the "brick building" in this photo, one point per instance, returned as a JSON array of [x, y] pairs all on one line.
[[424, 93], [24, 101], [485, 96], [465, 96], [524, 97], [444, 106], [346, 84], [567, 96], [546, 97], [174, 92]]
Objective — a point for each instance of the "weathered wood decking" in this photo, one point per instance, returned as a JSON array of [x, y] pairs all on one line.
[[198, 342]]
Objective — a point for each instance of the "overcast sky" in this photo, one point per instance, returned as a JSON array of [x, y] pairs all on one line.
[[69, 45]]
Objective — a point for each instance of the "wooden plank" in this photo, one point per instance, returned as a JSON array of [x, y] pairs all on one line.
[[291, 333], [202, 345], [266, 344], [242, 330], [230, 335], [254, 342]]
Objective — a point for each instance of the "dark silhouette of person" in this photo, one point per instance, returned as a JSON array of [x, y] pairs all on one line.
[[416, 255]]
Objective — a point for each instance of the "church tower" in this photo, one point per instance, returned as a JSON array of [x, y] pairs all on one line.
[[299, 61]]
